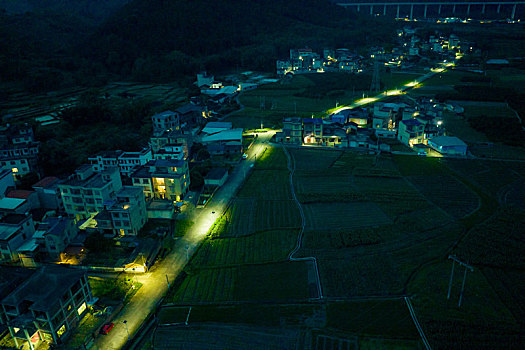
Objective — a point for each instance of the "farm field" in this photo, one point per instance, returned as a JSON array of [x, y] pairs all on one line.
[[262, 247], [261, 282]]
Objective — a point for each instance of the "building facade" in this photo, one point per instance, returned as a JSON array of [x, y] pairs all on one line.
[[36, 314], [163, 179], [85, 192]]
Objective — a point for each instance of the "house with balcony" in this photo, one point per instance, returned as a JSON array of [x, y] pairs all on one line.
[[174, 151], [411, 132], [85, 192], [15, 231], [18, 149], [164, 122], [312, 130], [181, 136], [125, 161], [43, 305], [292, 131], [128, 211], [163, 179]]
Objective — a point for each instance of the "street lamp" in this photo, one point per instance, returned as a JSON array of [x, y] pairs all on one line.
[[127, 330]]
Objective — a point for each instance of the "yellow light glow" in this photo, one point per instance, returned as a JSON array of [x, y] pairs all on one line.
[[16, 329], [366, 100], [412, 83], [81, 308], [126, 206], [61, 330], [394, 92], [15, 170]]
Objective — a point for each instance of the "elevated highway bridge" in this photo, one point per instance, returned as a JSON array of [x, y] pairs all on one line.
[[437, 7]]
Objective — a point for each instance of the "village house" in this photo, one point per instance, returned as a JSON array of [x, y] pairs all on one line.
[[42, 305], [219, 138], [18, 149], [411, 132], [85, 192], [7, 181], [163, 179], [164, 122], [127, 162], [49, 195], [15, 230]]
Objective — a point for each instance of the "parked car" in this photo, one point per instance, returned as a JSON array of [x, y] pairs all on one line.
[[106, 328]]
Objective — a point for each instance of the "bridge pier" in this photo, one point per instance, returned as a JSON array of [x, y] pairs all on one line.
[[371, 10], [411, 11], [439, 9], [513, 12], [499, 8], [397, 14], [483, 9], [454, 9], [384, 10], [425, 14], [468, 9], [358, 8]]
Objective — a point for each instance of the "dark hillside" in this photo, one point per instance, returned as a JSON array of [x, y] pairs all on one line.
[[185, 36]]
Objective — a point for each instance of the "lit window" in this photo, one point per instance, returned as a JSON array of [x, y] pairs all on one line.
[[15, 170], [81, 309]]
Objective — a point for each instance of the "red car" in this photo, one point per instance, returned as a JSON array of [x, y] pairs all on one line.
[[106, 328]]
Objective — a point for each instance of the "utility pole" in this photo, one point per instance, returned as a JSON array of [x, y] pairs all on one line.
[[374, 86], [467, 267]]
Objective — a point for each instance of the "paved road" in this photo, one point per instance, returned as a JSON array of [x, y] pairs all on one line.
[[155, 282], [382, 95]]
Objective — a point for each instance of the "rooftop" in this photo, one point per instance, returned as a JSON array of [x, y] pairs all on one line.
[[56, 279], [217, 173], [20, 194], [448, 141], [46, 182], [11, 203]]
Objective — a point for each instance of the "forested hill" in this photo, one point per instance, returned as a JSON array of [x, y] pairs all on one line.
[[162, 39], [50, 44]]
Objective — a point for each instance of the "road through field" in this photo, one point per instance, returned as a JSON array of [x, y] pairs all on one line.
[[155, 282]]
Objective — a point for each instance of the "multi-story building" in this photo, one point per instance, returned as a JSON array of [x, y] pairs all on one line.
[[85, 192], [128, 211], [411, 132], [54, 234], [292, 130], [127, 162], [49, 195], [163, 179], [312, 130], [171, 151], [7, 182], [180, 136], [164, 122], [15, 229], [42, 305], [18, 149]]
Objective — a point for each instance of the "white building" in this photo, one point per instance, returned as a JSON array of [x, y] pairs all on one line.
[[127, 162], [85, 192]]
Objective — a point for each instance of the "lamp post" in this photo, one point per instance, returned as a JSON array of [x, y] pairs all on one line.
[[127, 330]]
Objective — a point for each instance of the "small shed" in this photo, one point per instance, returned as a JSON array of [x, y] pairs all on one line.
[[216, 177]]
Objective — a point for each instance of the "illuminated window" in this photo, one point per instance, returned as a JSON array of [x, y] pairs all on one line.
[[61, 330], [15, 170], [81, 309], [16, 329]]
